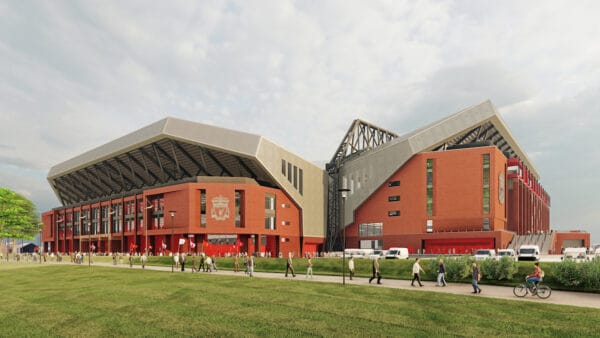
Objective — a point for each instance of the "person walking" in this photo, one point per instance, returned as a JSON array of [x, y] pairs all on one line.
[[476, 276], [376, 272], [351, 267], [208, 264], [236, 263], [143, 258], [289, 266], [250, 265], [441, 278], [416, 269], [182, 261], [309, 270]]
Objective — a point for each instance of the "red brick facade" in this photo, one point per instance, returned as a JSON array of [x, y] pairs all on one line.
[[134, 218]]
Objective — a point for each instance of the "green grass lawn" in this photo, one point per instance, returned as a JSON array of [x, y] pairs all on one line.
[[68, 300]]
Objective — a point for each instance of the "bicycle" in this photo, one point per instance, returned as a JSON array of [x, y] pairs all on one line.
[[542, 291]]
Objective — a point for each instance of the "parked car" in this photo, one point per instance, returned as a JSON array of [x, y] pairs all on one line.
[[529, 252], [397, 253], [508, 253], [485, 253], [577, 254]]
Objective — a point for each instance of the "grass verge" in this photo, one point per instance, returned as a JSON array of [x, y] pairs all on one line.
[[78, 301]]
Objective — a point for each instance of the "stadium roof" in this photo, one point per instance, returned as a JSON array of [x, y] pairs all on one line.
[[164, 153]]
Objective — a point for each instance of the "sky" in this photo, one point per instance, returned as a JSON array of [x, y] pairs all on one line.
[[75, 75]]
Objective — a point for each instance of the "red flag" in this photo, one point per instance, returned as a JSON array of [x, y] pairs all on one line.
[[192, 244]]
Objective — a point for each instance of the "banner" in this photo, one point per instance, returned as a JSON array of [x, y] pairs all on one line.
[[181, 241]]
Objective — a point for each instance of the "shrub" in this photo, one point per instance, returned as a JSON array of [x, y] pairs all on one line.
[[457, 269], [506, 268]]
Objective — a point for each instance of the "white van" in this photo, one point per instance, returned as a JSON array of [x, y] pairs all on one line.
[[397, 253], [485, 253], [529, 252], [577, 254], [508, 253]]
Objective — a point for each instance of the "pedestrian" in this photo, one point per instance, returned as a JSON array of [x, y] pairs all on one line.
[[144, 257], [309, 271], [193, 262], [441, 278], [214, 263], [351, 267], [250, 266], [202, 266], [236, 263], [376, 272], [289, 266], [476, 276], [182, 261], [130, 260], [208, 263], [416, 273], [176, 259], [114, 258]]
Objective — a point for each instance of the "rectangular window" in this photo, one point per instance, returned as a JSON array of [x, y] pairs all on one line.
[[429, 225], [283, 167], [393, 213], [270, 223], [394, 184], [300, 182], [393, 198], [429, 179], [285, 223], [370, 229], [486, 183], [269, 202], [203, 208], [295, 177], [239, 208], [289, 172], [486, 224]]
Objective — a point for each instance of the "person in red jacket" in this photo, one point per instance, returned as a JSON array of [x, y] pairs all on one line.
[[535, 277]]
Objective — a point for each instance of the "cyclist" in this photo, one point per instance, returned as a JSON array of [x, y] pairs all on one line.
[[535, 277]]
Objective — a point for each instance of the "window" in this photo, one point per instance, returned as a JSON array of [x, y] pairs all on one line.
[[239, 209], [300, 181], [295, 177], [269, 202], [429, 178], [394, 184], [370, 229], [486, 183], [394, 213], [393, 198], [289, 172], [283, 167], [203, 208], [429, 225], [486, 224], [285, 223], [270, 223]]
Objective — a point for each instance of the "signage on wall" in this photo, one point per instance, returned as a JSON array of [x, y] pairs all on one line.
[[220, 208]]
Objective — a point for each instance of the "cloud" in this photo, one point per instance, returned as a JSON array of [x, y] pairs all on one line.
[[298, 73]]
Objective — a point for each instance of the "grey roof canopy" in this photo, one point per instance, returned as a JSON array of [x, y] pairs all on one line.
[[166, 152]]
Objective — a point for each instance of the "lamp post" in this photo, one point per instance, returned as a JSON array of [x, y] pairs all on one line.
[[89, 231], [146, 227], [172, 212], [343, 192], [40, 248], [81, 220]]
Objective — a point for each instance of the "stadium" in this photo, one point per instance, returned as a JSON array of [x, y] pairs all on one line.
[[456, 185]]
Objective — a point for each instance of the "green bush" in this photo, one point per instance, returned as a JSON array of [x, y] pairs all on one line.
[[458, 268], [506, 268]]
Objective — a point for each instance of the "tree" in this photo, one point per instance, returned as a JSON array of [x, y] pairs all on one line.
[[18, 217]]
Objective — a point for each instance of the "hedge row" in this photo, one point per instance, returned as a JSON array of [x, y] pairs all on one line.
[[565, 275]]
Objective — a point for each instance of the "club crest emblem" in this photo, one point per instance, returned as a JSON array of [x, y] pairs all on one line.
[[220, 208]]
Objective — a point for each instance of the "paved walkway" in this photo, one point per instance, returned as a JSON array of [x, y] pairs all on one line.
[[580, 299]]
